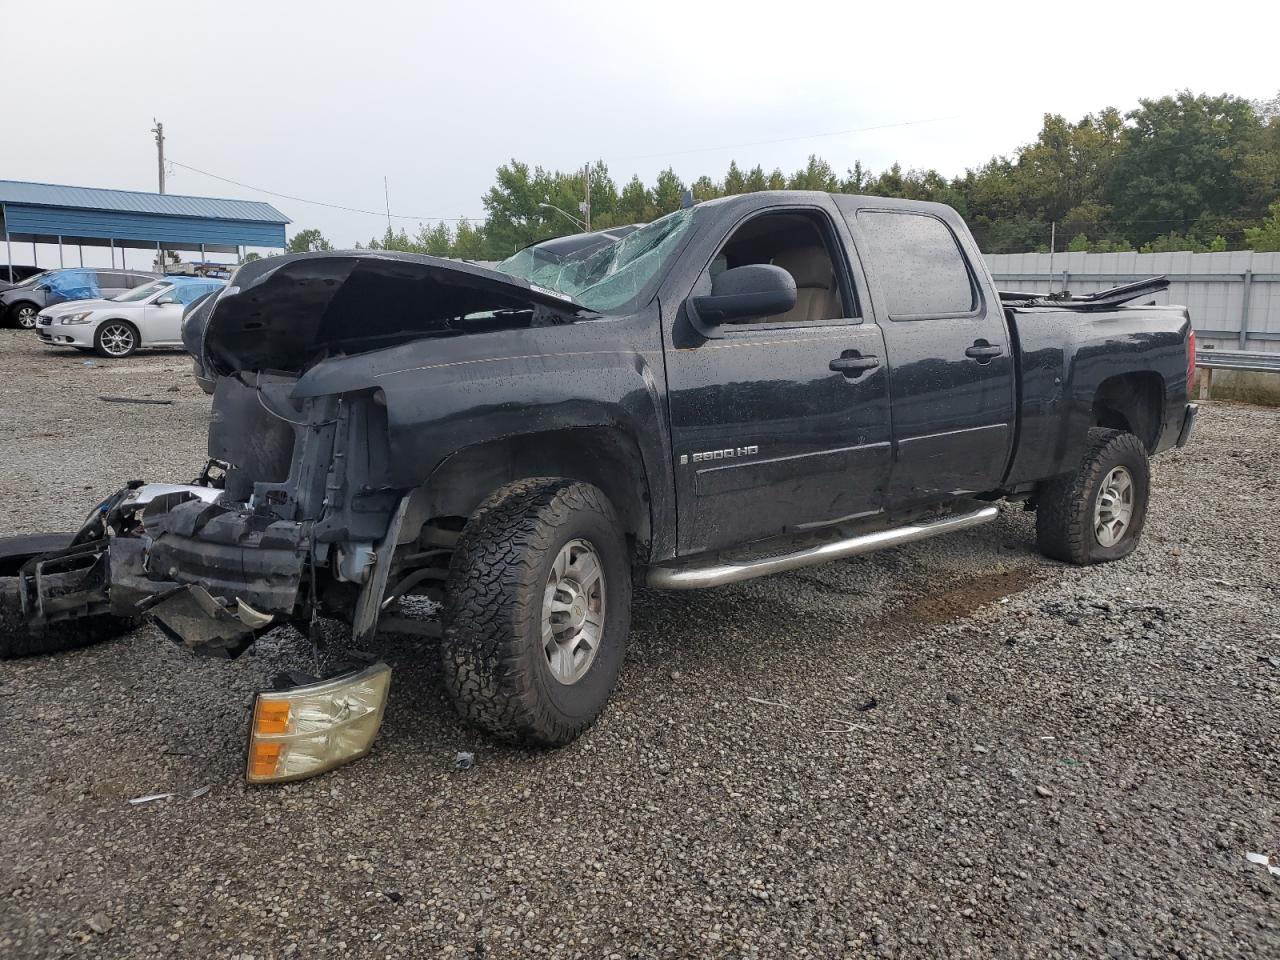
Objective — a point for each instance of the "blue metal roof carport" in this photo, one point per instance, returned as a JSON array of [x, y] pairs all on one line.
[[88, 216]]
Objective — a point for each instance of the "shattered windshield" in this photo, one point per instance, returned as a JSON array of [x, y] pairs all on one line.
[[612, 279]]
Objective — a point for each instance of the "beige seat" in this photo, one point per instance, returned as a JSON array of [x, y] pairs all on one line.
[[816, 295]]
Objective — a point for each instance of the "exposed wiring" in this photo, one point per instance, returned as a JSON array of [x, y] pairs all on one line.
[[280, 416]]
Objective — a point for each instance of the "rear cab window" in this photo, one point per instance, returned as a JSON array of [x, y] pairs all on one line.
[[922, 270]]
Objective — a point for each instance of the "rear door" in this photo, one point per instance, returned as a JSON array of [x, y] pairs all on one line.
[[112, 284], [952, 374]]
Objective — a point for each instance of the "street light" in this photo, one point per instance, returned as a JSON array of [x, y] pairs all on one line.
[[574, 220]]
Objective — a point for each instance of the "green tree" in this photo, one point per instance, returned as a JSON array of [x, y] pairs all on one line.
[[308, 241], [734, 182], [469, 242], [1267, 236], [635, 204], [815, 175], [1181, 160], [668, 192], [436, 241]]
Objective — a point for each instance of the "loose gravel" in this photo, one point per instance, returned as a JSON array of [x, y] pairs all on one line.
[[950, 749]]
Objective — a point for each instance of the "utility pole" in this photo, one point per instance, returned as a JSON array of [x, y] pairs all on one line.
[[586, 204], [158, 130], [386, 196]]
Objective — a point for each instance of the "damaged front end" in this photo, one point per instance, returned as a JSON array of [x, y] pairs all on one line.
[[307, 508]]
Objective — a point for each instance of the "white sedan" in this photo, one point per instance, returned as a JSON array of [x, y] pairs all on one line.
[[147, 316]]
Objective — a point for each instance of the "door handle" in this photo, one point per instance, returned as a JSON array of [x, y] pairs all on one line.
[[983, 352], [852, 364]]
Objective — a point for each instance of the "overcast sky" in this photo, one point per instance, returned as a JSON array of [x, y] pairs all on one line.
[[322, 100]]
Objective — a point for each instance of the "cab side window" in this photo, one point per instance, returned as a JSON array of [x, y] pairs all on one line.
[[920, 264], [801, 244]]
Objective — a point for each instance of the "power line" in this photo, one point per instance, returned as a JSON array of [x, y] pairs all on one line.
[[318, 203], [808, 136]]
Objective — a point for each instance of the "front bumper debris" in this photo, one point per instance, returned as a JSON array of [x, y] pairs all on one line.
[[193, 618]]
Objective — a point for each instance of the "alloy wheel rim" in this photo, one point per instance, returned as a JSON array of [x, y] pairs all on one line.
[[1113, 510], [117, 339], [26, 318], [573, 612]]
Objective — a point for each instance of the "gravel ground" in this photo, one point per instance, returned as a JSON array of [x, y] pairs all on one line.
[[966, 750]]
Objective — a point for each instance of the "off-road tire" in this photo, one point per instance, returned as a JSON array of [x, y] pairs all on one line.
[[1065, 506], [19, 640], [493, 661]]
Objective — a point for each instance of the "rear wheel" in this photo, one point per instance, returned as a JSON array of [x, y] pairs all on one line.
[[1097, 513], [24, 315], [537, 610], [115, 339]]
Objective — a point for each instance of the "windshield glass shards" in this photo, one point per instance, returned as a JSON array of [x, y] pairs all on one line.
[[612, 279]]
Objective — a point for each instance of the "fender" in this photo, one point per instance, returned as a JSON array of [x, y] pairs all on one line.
[[588, 394]]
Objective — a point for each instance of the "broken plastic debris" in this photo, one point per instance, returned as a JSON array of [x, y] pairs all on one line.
[[464, 761], [149, 797], [143, 400], [1259, 858], [840, 725]]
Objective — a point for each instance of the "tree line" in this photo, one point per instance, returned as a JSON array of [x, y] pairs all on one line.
[[1185, 172]]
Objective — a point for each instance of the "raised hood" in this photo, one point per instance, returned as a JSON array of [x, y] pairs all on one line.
[[286, 313]]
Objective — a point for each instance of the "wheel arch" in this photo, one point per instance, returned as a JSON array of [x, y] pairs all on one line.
[[1133, 402], [604, 456]]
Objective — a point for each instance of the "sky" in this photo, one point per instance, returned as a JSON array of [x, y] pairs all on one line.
[[321, 100]]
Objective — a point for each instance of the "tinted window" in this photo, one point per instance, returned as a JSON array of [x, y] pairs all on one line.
[[114, 281], [137, 279], [919, 263]]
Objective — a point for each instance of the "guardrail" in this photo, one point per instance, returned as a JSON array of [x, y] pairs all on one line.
[[1250, 361]]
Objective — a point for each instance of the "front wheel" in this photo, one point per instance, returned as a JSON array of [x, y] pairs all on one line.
[[24, 315], [115, 339], [1097, 513], [537, 610]]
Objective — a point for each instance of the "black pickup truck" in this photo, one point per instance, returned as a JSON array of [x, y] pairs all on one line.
[[743, 387]]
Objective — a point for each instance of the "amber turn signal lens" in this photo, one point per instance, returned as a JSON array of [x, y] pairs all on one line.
[[271, 716]]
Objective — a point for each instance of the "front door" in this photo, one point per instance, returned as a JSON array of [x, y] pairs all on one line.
[[782, 423], [163, 318], [948, 350]]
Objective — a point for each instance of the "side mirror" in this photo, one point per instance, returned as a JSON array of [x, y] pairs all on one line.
[[165, 301], [754, 290]]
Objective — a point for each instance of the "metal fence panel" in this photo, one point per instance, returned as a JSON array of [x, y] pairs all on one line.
[[1233, 297]]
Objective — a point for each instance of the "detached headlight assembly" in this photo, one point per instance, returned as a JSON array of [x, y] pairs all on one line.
[[76, 318], [308, 730]]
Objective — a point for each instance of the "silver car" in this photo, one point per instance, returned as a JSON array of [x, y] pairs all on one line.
[[147, 316]]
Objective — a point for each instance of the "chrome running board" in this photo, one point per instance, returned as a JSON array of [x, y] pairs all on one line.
[[717, 572]]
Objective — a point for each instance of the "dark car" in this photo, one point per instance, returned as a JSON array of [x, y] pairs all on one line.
[[744, 387], [20, 304], [11, 274]]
